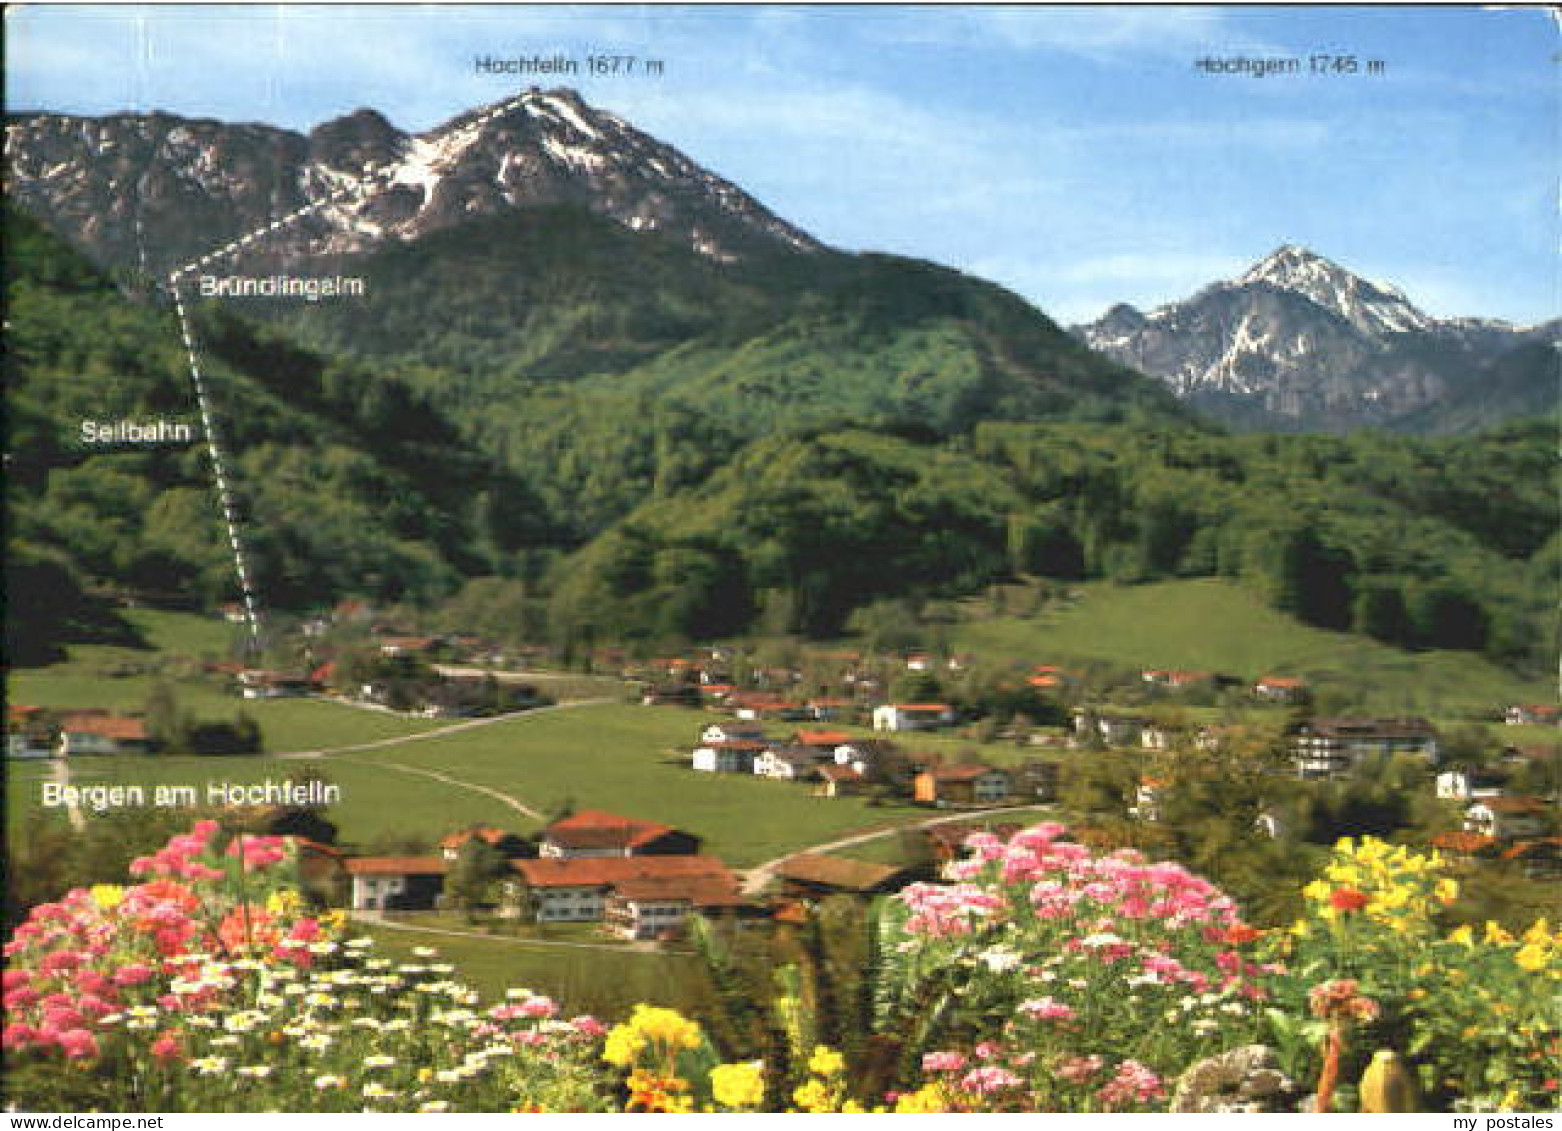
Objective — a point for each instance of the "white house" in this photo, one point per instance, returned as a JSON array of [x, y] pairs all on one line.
[[578, 889], [731, 732], [386, 883], [730, 757], [1506, 818], [912, 716], [788, 763], [95, 733], [1469, 785]]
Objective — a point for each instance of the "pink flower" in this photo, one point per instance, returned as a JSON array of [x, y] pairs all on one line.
[[21, 997], [132, 974], [989, 1079], [18, 1036], [15, 977], [1046, 1009], [78, 1044], [589, 1026], [538, 1007], [1078, 1069], [166, 1048], [1133, 1083], [60, 962], [942, 1062]]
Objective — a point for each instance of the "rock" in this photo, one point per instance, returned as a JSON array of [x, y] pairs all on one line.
[[1246, 1079]]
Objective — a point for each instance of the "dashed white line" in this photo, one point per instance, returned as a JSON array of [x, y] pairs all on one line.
[[363, 184]]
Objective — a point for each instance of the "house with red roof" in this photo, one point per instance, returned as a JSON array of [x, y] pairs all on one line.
[[1281, 689], [1532, 714], [506, 843], [593, 833], [395, 883], [98, 732], [577, 890]]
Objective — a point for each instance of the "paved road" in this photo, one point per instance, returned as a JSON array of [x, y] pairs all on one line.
[[758, 877], [439, 732]]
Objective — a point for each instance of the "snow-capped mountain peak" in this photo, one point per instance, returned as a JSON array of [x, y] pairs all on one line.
[[161, 191], [1298, 337], [1373, 308]]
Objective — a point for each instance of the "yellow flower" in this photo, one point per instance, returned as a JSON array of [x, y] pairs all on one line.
[[1531, 957], [1538, 933], [623, 1044], [738, 1085], [666, 1027], [826, 1061], [812, 1096], [1495, 934], [1464, 936], [1447, 890], [107, 896], [926, 1100]]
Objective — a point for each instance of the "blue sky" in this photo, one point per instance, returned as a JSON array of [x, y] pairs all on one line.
[[1075, 155]]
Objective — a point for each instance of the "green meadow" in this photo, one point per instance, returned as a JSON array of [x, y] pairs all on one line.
[[1213, 625]]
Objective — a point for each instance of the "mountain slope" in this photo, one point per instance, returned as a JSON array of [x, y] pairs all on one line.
[[346, 483], [606, 365], [1299, 342], [155, 192]]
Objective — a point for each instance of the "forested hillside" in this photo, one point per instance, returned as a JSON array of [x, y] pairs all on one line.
[[347, 482], [1420, 543], [662, 448], [607, 366]]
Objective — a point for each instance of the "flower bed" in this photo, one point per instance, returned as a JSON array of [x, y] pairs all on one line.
[[1041, 977]]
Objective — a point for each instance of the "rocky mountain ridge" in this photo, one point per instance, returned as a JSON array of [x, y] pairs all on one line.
[[153, 192], [1299, 341]]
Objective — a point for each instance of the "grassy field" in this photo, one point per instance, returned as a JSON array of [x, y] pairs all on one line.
[[177, 644], [605, 983], [1215, 626], [635, 760], [377, 803]]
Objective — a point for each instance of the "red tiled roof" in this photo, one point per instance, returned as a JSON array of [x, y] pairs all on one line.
[[839, 774], [1285, 681], [1462, 842], [940, 707], [486, 833], [594, 828], [396, 866], [701, 890], [830, 738], [106, 726], [1540, 846], [605, 871], [737, 744]]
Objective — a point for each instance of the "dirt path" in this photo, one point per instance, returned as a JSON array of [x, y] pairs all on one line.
[[60, 771], [438, 732], [503, 798], [758, 877]]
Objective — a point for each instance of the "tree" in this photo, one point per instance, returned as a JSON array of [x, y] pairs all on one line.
[[470, 881]]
